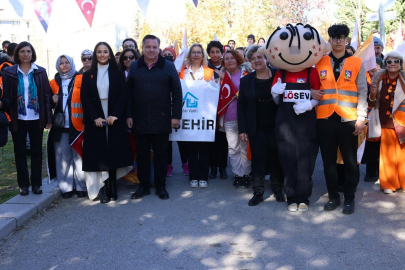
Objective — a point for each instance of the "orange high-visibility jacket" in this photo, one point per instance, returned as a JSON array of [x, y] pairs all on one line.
[[339, 96], [76, 105], [208, 73]]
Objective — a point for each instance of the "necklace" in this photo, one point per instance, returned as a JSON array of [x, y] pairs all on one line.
[[268, 75]]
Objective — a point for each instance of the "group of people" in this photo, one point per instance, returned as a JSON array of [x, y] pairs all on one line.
[[288, 105]]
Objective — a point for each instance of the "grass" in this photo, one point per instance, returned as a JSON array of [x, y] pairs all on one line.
[[8, 173]]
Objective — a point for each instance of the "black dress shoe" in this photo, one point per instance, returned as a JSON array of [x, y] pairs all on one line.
[[348, 207], [369, 178], [332, 204], [67, 195], [140, 192], [222, 173], [257, 198], [279, 196], [37, 190], [162, 194], [81, 194], [213, 173], [24, 191], [113, 189]]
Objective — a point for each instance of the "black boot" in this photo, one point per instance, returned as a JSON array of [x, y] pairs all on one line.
[[257, 198], [213, 173], [113, 189], [222, 173], [105, 198]]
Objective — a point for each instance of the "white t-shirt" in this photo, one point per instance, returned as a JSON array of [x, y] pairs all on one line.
[[65, 91]]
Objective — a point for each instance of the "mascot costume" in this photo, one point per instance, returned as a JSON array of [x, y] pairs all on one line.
[[295, 50]]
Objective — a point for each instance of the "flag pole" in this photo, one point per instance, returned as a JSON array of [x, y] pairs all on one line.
[[227, 104]]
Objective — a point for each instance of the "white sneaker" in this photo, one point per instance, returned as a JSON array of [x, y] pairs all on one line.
[[388, 191], [302, 207], [203, 183], [293, 207], [193, 183]]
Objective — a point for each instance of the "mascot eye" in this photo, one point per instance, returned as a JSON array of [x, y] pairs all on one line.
[[308, 36], [284, 35]]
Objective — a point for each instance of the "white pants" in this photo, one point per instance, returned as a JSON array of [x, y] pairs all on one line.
[[237, 150], [68, 166]]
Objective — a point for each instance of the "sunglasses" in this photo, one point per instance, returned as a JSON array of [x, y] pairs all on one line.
[[389, 62], [88, 58], [131, 57]]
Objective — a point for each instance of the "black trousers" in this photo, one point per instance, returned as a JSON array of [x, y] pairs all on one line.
[[265, 155], [198, 160], [20, 151], [182, 149], [332, 133], [157, 142], [219, 150]]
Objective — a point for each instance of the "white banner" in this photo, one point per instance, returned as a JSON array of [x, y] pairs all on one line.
[[200, 101], [367, 54]]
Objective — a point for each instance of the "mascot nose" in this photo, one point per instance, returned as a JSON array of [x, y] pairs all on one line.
[[294, 50]]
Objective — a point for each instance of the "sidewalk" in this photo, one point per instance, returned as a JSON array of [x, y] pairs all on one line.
[[15, 212]]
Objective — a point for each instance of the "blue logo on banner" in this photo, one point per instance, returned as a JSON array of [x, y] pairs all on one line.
[[190, 100]]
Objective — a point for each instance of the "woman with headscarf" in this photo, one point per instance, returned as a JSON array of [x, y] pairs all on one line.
[[387, 120], [86, 58], [169, 54], [65, 162]]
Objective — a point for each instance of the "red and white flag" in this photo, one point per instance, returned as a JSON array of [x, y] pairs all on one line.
[[226, 95], [77, 144], [43, 9], [88, 7]]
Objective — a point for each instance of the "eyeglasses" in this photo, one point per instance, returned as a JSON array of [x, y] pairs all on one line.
[[129, 46], [341, 39], [196, 53], [389, 62], [131, 57], [88, 58]]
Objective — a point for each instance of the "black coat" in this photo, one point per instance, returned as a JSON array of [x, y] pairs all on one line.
[[44, 95], [4, 95], [247, 104], [98, 154], [156, 96]]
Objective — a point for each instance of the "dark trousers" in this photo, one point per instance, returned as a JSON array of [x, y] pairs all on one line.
[[332, 133], [20, 151], [198, 160], [264, 155], [219, 150], [182, 149], [157, 142]]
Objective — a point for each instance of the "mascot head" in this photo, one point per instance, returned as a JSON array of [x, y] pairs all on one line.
[[295, 48]]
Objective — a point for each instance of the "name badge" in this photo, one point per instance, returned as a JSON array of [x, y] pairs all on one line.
[[296, 95]]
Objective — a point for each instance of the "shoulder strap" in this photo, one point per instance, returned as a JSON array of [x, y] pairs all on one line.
[[309, 74], [282, 75]]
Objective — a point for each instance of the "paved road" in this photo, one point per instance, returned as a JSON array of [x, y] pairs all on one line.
[[212, 228]]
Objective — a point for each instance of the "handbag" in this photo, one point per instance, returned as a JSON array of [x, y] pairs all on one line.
[[59, 118]]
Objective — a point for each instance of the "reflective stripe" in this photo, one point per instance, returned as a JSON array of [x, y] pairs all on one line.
[[327, 101], [77, 105], [402, 109], [348, 93], [329, 91], [77, 115], [347, 104]]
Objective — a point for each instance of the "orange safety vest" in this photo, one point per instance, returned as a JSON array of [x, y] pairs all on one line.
[[76, 105], [339, 96], [208, 73]]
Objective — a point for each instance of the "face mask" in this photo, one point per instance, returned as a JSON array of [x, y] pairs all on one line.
[[169, 58]]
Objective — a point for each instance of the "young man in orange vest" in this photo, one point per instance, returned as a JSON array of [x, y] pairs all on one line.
[[341, 113]]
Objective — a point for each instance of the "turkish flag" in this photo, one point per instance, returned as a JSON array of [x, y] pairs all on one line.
[[77, 144], [88, 7], [226, 95]]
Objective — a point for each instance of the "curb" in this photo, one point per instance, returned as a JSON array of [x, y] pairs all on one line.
[[15, 212]]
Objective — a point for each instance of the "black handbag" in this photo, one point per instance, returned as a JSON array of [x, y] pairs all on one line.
[[59, 118]]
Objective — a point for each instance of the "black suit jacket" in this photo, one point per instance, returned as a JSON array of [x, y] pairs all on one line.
[[247, 104]]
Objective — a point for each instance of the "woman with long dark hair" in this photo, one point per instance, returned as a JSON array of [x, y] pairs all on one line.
[[30, 112], [106, 147], [126, 58]]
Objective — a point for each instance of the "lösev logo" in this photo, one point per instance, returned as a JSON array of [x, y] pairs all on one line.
[[190, 100], [322, 74], [296, 95]]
